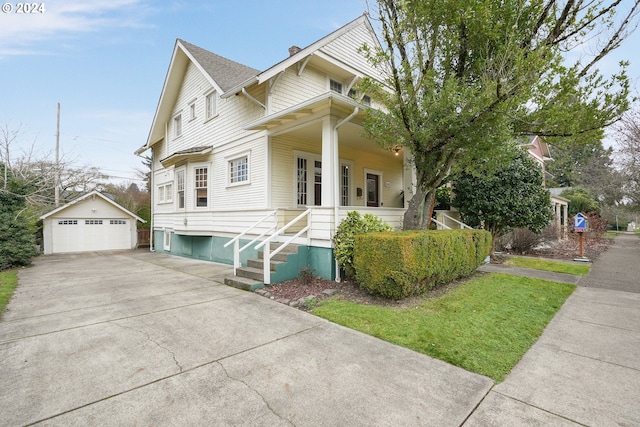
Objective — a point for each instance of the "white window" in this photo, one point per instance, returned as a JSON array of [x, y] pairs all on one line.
[[92, 222], [345, 177], [180, 188], [192, 110], [201, 179], [308, 180], [117, 221], [177, 126], [165, 193], [335, 86], [239, 170], [68, 222], [211, 102]]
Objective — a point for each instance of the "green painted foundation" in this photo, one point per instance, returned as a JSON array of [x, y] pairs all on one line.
[[212, 249]]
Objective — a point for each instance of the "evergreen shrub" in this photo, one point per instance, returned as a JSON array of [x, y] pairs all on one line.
[[400, 264], [352, 225]]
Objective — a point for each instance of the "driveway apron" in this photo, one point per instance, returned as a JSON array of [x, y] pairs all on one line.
[[140, 338]]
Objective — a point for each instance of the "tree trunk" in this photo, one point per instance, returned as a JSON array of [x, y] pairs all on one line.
[[420, 210]]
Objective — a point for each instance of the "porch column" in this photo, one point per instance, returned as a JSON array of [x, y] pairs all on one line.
[[557, 212], [329, 156], [566, 221]]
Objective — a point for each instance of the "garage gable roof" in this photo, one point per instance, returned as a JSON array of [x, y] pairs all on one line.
[[86, 196]]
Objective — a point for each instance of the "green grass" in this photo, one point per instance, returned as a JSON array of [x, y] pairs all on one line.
[[8, 283], [549, 265], [485, 325]]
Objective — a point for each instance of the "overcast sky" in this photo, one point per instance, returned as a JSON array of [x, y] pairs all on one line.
[[105, 62]]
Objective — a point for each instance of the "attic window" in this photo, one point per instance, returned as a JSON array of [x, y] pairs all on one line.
[[211, 101], [335, 86], [177, 126]]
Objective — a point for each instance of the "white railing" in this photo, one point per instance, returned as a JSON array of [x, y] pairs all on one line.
[[441, 225], [266, 244], [236, 240], [460, 223]]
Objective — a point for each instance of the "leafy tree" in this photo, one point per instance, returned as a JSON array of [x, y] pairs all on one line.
[[628, 132], [511, 197], [132, 198], [464, 77], [17, 243], [581, 200]]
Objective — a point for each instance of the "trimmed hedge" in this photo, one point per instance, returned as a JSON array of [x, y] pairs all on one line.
[[400, 264]]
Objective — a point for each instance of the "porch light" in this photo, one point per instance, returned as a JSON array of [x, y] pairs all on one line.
[[396, 149]]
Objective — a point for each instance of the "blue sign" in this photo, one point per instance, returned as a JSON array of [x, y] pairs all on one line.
[[579, 223]]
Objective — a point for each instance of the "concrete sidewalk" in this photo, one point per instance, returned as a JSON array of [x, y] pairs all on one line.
[[140, 338], [585, 368]]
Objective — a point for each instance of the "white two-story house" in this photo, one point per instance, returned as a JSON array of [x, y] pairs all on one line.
[[241, 156]]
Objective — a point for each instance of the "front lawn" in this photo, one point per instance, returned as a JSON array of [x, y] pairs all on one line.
[[485, 325], [548, 265], [8, 283]]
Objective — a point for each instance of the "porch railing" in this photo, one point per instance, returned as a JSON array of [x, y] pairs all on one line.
[[236, 240], [266, 244]]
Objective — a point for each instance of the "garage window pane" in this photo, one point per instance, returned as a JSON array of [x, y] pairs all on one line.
[[117, 221], [93, 222]]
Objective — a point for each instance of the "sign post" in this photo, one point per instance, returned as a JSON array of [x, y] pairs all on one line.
[[580, 226]]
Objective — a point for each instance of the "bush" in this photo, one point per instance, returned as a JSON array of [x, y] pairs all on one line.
[[344, 238], [398, 265], [17, 242], [521, 240]]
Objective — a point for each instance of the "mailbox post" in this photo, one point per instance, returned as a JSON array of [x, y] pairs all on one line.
[[580, 225]]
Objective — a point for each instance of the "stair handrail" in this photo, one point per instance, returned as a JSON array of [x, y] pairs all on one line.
[[462, 224], [267, 254], [440, 224], [236, 240]]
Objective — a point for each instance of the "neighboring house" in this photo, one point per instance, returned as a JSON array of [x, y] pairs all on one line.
[[539, 151], [238, 153], [92, 222]]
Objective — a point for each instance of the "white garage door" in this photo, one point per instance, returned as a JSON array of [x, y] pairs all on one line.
[[82, 235]]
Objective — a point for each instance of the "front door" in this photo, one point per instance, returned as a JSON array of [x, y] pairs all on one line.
[[373, 190]]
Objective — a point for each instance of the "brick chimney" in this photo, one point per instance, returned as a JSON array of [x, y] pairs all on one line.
[[293, 50]]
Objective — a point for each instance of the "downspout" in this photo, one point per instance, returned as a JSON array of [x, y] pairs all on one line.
[[336, 176], [151, 198]]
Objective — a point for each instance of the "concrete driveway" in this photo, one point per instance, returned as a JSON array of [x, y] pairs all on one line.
[[139, 338]]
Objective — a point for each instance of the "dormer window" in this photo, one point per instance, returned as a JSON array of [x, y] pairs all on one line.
[[335, 86]]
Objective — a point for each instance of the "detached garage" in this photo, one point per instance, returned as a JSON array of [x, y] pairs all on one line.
[[92, 222]]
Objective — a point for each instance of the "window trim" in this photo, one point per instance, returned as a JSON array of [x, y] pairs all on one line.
[[208, 114], [165, 193], [337, 82], [192, 110], [177, 125], [230, 159], [207, 186], [182, 171]]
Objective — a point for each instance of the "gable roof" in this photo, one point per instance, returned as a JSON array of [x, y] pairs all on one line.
[[224, 72], [230, 77], [87, 195], [305, 53]]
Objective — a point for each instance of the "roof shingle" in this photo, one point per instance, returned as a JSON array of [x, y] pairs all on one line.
[[225, 72]]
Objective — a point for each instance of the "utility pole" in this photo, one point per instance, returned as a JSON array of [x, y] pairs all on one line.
[[56, 179]]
